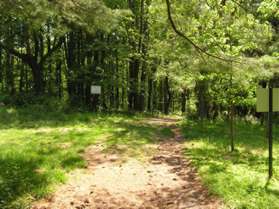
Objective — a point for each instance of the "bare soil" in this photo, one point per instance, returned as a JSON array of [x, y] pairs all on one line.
[[166, 181]]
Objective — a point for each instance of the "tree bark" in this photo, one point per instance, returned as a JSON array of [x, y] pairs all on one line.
[[183, 101]]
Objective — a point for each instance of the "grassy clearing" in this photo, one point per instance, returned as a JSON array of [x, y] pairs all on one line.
[[38, 147], [239, 177]]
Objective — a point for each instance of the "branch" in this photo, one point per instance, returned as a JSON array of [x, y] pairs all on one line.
[[24, 57], [179, 33], [52, 50]]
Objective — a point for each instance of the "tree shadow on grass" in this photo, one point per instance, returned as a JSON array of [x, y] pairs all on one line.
[[24, 118], [38, 160], [217, 159], [19, 176], [135, 136], [30, 174], [251, 136], [215, 143], [232, 175]]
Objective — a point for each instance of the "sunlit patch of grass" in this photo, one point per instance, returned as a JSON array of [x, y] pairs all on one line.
[[38, 147], [135, 139], [240, 177]]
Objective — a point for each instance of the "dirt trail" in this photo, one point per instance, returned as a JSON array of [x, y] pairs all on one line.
[[167, 181]]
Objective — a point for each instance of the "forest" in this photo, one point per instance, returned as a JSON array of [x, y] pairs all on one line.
[[59, 49], [168, 70]]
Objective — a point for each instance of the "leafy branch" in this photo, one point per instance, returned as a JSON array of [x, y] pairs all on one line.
[[181, 34]]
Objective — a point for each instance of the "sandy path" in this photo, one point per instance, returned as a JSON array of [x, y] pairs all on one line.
[[167, 181]]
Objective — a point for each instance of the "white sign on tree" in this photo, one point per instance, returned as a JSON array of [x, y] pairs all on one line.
[[95, 89]]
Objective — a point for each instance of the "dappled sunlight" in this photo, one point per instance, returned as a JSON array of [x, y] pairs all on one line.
[[115, 178], [55, 144], [235, 176]]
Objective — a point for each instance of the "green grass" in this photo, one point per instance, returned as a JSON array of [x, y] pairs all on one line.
[[39, 147], [239, 178]]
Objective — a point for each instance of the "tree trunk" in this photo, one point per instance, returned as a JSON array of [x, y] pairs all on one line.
[[38, 78], [167, 96], [232, 109], [10, 74], [59, 78], [201, 89], [183, 101], [1, 71], [21, 78], [133, 83]]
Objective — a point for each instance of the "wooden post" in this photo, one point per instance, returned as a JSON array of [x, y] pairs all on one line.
[[231, 110], [232, 129], [270, 142]]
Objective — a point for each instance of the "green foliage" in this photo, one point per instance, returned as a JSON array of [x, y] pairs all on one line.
[[63, 46], [62, 15], [269, 8]]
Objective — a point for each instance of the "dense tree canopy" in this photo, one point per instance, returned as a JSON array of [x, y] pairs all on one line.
[[148, 55]]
